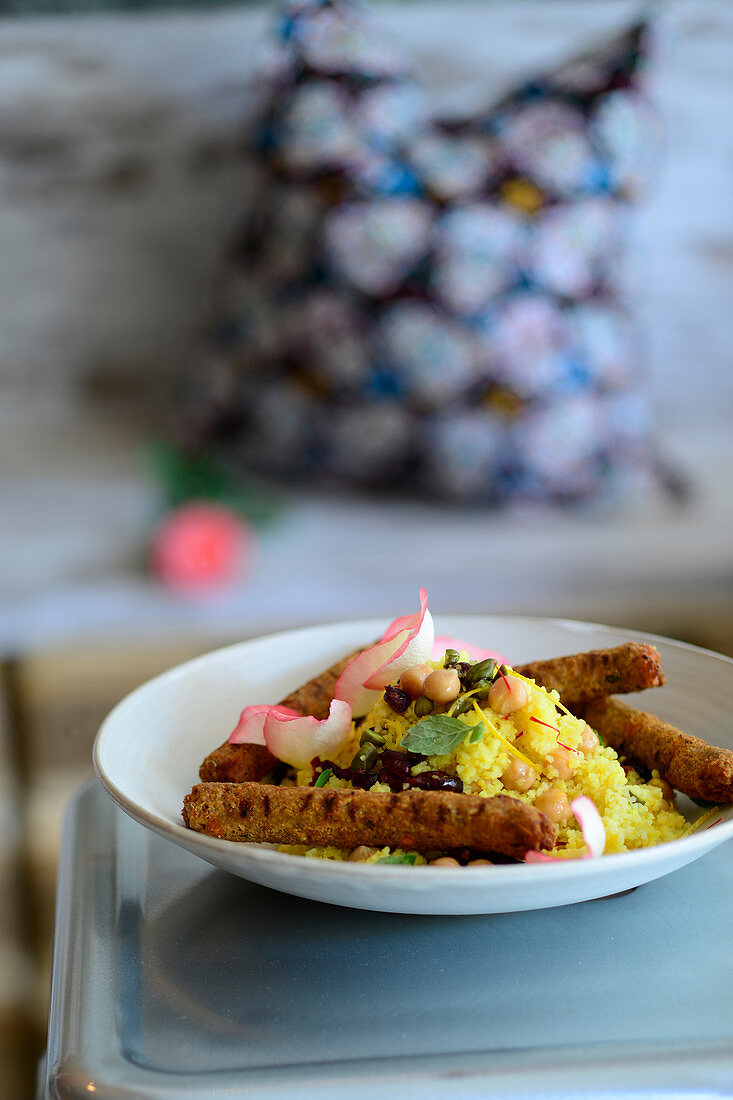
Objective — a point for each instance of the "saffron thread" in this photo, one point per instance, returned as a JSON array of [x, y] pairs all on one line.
[[541, 723]]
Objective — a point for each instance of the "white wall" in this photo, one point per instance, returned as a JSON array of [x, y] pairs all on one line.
[[119, 179]]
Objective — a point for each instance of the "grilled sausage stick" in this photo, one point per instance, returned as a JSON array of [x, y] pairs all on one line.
[[689, 764], [242, 763], [633, 666], [419, 820]]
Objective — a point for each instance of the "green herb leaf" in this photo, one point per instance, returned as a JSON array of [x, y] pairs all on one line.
[[406, 857], [323, 778], [477, 733], [435, 736]]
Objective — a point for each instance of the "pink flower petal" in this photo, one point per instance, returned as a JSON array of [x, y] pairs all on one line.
[[445, 641], [591, 825], [406, 641], [297, 739], [250, 729], [404, 633], [408, 622]]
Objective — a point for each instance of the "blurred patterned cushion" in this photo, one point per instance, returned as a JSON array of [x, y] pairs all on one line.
[[434, 305]]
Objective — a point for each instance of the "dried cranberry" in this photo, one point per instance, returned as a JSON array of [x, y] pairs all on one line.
[[463, 668], [436, 781], [364, 780], [322, 765], [398, 699], [396, 772], [390, 778], [396, 762], [395, 769]]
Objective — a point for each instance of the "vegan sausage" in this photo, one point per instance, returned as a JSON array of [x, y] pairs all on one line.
[[633, 666], [686, 762], [417, 820]]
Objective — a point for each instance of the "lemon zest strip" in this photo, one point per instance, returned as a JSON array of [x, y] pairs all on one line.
[[700, 821]]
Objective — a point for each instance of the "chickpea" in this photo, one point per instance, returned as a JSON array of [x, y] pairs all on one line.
[[588, 740], [479, 863], [562, 761], [443, 685], [554, 803], [412, 680], [362, 853], [508, 694], [518, 776], [445, 861]]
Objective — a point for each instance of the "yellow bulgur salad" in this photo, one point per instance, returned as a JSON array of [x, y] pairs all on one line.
[[480, 728]]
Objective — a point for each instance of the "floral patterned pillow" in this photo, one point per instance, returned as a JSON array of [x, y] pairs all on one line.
[[430, 305]]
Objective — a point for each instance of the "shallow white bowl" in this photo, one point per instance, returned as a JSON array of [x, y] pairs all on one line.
[[148, 751]]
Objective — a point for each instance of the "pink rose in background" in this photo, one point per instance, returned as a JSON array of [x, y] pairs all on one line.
[[200, 546]]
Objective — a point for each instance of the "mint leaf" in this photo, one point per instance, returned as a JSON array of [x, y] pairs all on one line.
[[435, 736], [406, 857], [323, 778], [477, 733]]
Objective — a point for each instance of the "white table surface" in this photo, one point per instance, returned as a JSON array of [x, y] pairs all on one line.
[[75, 529]]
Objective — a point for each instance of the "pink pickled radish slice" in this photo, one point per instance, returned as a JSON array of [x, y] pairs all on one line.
[[591, 826], [250, 729], [297, 739], [542, 857], [406, 641], [445, 641]]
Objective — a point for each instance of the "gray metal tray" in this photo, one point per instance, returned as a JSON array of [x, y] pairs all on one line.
[[175, 980]]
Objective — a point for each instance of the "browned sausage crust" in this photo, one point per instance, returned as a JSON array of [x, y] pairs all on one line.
[[245, 763], [633, 666], [417, 820], [689, 764], [237, 764]]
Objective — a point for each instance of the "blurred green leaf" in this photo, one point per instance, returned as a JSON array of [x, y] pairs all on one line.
[[184, 478]]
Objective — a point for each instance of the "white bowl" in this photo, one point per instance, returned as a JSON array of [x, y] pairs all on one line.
[[148, 751]]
